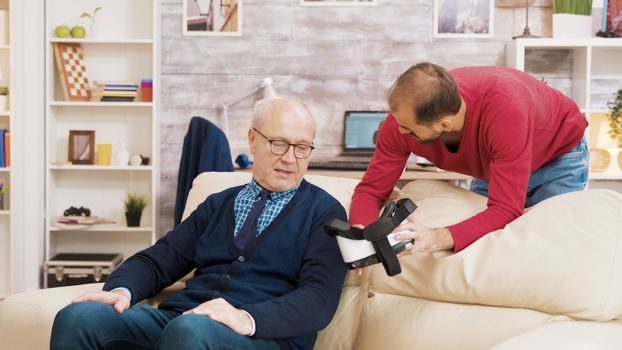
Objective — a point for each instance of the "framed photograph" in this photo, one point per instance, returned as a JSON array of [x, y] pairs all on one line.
[[463, 19], [613, 20], [82, 146], [212, 17], [337, 2]]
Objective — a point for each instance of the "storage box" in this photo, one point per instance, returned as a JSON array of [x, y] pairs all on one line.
[[68, 269]]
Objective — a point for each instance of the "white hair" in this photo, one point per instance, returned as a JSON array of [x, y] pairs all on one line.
[[261, 107]]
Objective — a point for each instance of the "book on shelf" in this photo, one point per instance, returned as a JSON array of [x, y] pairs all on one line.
[[83, 220], [2, 148], [7, 148], [114, 83], [116, 99]]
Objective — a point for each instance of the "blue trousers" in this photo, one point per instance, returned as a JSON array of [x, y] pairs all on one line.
[[566, 173], [90, 325]]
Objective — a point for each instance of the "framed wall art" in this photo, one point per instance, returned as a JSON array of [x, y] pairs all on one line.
[[81, 146], [463, 19], [212, 17]]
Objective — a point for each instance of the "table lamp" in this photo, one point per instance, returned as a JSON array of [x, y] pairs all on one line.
[[267, 92]]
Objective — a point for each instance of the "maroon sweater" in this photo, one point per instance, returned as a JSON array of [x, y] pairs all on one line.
[[514, 124]]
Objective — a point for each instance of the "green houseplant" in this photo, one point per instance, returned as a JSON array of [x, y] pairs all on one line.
[[615, 118], [2, 192], [572, 18], [574, 7], [134, 206]]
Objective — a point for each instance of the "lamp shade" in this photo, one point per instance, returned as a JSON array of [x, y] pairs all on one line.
[[268, 89]]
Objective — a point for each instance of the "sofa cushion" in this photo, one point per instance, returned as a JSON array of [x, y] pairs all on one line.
[[563, 256], [567, 336], [392, 321]]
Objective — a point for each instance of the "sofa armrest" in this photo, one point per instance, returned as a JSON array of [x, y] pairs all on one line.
[[26, 318]]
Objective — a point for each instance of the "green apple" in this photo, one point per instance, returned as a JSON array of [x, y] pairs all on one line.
[[78, 32], [62, 32]]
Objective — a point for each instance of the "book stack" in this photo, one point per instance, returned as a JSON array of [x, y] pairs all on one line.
[[114, 91]]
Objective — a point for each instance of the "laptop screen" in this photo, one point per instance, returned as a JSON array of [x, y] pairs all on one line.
[[360, 129]]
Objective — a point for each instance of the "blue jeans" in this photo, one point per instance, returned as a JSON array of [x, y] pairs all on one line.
[[566, 173], [90, 325]]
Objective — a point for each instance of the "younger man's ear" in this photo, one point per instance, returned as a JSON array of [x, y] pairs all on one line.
[[446, 124]]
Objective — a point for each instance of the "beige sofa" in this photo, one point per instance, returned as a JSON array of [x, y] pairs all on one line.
[[552, 279]]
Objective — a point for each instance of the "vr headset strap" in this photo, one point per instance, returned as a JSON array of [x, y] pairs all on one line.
[[387, 257]]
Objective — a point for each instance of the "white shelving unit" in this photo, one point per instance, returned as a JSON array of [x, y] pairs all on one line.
[[594, 78], [6, 122], [125, 47]]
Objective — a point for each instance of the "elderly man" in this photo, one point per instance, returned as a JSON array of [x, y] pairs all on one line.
[[520, 139], [267, 276]]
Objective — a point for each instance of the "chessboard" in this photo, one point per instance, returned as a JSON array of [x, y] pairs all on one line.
[[72, 72]]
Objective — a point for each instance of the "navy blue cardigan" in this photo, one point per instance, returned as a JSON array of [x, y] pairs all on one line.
[[205, 149], [289, 279]]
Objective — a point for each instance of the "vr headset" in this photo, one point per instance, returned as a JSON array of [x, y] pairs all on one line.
[[373, 244]]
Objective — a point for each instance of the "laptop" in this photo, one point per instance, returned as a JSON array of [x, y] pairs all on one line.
[[359, 140]]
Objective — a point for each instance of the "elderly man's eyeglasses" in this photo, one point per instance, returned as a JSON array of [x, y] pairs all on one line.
[[279, 147]]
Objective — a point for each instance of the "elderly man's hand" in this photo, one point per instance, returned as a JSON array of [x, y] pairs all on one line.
[[425, 239], [221, 311], [119, 299]]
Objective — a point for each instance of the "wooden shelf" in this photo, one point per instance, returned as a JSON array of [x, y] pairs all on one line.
[[100, 41], [556, 43], [101, 168], [603, 176], [100, 104]]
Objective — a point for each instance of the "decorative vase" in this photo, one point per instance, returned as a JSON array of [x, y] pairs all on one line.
[[4, 103], [133, 220], [566, 25], [599, 160], [614, 167], [122, 157]]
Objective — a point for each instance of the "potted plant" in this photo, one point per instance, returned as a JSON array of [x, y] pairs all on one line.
[[2, 192], [91, 17], [572, 18], [4, 98], [134, 206], [615, 119]]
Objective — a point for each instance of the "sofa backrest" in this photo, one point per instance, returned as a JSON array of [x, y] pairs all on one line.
[[214, 182]]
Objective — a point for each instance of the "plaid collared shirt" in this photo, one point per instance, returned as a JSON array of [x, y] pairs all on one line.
[[249, 195]]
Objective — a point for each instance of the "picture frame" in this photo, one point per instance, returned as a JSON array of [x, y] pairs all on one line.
[[212, 18], [613, 18], [81, 146], [338, 2], [463, 19]]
